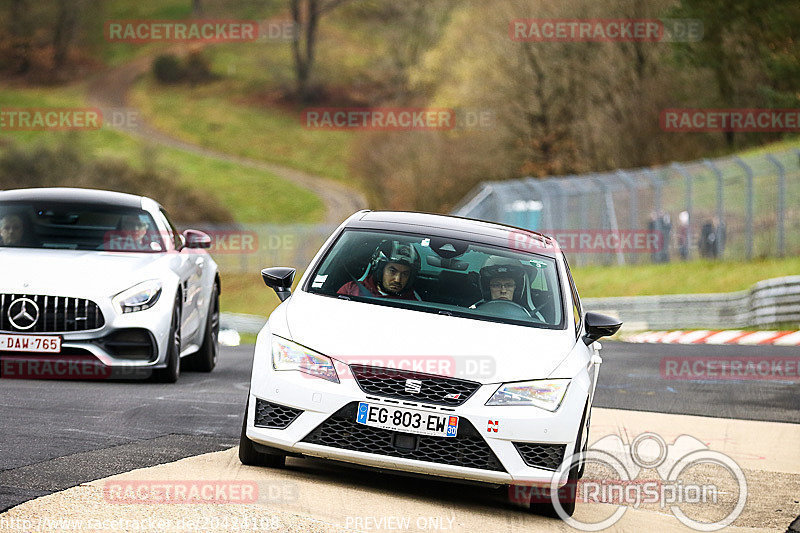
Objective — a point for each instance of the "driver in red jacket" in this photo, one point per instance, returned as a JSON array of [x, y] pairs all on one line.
[[393, 269]]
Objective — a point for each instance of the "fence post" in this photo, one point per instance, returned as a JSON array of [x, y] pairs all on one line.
[[547, 207], [749, 173], [720, 202], [657, 185], [633, 216], [611, 213], [781, 202], [690, 233]]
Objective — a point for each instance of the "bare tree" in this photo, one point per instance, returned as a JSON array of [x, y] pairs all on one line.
[[197, 9], [65, 30], [20, 37], [306, 15]]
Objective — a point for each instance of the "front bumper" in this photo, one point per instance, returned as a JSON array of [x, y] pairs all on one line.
[[321, 423], [127, 346]]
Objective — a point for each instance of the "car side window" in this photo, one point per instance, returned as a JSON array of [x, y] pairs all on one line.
[[576, 301]]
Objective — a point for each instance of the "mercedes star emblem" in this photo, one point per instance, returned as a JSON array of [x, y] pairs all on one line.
[[23, 313]]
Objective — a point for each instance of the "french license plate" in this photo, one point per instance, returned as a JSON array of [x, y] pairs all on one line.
[[30, 343], [407, 420]]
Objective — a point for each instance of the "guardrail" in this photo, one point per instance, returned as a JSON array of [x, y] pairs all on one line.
[[770, 302], [242, 323]]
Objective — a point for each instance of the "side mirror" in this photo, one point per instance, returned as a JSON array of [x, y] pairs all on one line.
[[280, 279], [196, 239], [598, 326]]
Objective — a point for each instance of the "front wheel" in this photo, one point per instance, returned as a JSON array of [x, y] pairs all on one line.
[[248, 455], [206, 357], [172, 372], [568, 493]]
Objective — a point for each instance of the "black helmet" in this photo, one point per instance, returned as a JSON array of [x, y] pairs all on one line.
[[502, 268], [394, 252]]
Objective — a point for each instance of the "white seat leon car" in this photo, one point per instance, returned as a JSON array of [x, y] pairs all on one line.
[[432, 345], [99, 284]]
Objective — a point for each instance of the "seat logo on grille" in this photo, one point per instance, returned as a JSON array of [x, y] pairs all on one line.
[[414, 386], [23, 313]]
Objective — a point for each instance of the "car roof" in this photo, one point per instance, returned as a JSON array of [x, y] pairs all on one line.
[[449, 226], [72, 195]]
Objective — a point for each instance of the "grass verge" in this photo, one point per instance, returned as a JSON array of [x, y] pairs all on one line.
[[251, 195], [679, 278], [214, 116]]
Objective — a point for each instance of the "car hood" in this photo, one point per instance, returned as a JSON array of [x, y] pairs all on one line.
[[73, 271], [487, 352]]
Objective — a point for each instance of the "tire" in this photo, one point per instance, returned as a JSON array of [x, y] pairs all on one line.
[[248, 455], [172, 372], [582, 468], [206, 357], [570, 490]]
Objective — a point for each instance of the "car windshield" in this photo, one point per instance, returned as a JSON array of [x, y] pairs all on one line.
[[74, 226], [442, 275]]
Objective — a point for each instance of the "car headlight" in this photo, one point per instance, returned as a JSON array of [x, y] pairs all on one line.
[[546, 393], [287, 355], [139, 297]]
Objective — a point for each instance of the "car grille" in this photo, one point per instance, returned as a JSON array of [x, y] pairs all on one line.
[[272, 415], [434, 389], [56, 314], [547, 456], [467, 449]]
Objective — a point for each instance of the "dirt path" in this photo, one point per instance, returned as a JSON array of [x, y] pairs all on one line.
[[110, 90]]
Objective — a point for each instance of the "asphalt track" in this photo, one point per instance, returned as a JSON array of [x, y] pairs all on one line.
[[60, 434]]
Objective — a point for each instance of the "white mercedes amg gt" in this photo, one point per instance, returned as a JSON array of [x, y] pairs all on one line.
[[99, 284], [432, 345]]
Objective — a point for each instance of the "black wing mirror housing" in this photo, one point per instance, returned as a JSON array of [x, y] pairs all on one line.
[[279, 279], [598, 326]]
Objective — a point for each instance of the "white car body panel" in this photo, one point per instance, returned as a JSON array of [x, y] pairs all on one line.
[[100, 275], [343, 329]]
